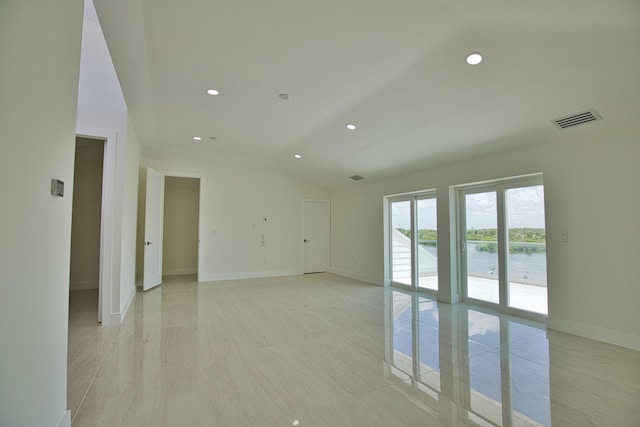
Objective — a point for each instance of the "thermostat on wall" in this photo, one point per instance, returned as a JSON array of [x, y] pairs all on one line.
[[57, 188]]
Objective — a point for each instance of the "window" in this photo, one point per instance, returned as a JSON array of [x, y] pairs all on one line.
[[413, 239]]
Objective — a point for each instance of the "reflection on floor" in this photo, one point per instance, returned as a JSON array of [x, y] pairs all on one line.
[[322, 350], [88, 343]]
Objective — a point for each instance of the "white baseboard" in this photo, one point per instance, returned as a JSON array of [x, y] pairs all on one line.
[[248, 275], [115, 319], [357, 276], [66, 420], [180, 271], [597, 333], [124, 310], [81, 285], [449, 299]]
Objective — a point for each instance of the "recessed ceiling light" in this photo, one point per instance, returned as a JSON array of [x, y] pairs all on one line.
[[350, 126], [197, 138], [474, 58], [213, 92], [297, 156], [284, 96]]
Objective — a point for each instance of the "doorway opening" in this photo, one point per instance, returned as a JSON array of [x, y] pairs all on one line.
[[169, 229], [89, 287], [86, 229], [180, 226]]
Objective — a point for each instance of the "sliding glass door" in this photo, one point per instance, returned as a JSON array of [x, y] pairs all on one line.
[[402, 242], [481, 251], [503, 246], [427, 239], [413, 241], [527, 248]]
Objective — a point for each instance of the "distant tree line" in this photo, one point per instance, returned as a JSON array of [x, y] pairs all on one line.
[[490, 236]]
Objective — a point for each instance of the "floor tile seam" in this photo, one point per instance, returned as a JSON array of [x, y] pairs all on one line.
[[484, 352], [528, 337], [97, 370], [511, 354], [455, 400]]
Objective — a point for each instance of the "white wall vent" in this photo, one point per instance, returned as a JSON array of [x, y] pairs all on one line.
[[356, 177], [577, 119]]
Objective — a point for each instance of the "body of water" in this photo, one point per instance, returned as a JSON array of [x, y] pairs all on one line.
[[521, 266]]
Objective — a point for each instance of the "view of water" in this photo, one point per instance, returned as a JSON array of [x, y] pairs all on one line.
[[521, 266]]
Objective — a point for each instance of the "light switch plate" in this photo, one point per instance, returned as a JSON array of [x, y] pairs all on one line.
[[57, 188]]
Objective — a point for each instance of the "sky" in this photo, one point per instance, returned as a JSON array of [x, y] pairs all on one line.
[[525, 208]]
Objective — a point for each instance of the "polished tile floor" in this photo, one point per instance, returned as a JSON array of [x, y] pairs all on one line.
[[323, 350]]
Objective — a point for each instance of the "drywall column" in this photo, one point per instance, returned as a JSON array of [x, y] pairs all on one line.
[[39, 66]]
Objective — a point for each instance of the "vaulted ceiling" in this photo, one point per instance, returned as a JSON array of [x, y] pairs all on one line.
[[396, 69]]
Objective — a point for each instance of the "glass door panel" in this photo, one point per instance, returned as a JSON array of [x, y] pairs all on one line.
[[526, 260], [482, 246], [485, 368], [402, 332], [401, 242], [427, 253]]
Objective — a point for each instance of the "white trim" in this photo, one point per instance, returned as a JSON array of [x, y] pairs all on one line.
[[357, 276], [105, 285], [180, 271], [82, 285], [127, 304], [180, 174], [65, 421], [449, 299], [597, 333], [114, 319], [249, 275]]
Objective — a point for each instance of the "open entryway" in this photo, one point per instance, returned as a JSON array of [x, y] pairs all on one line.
[[180, 226], [173, 211], [317, 229], [86, 225]]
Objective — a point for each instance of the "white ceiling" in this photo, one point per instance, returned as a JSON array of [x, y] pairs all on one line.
[[394, 68]]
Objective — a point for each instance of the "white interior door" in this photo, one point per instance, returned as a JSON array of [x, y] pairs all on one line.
[[316, 235], [154, 212]]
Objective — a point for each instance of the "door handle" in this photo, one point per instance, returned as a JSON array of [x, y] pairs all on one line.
[[148, 243], [305, 240]]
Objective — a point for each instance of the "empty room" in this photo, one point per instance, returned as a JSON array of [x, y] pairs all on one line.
[[337, 213]]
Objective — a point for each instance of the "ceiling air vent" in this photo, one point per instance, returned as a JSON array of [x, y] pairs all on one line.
[[356, 177], [577, 119]]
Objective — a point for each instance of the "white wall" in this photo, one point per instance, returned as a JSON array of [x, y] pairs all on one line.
[[129, 220], [102, 109], [39, 57], [236, 201], [180, 231], [591, 181]]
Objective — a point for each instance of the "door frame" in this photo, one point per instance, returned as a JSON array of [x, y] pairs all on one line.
[[106, 313], [413, 199], [199, 176], [304, 205], [499, 186]]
